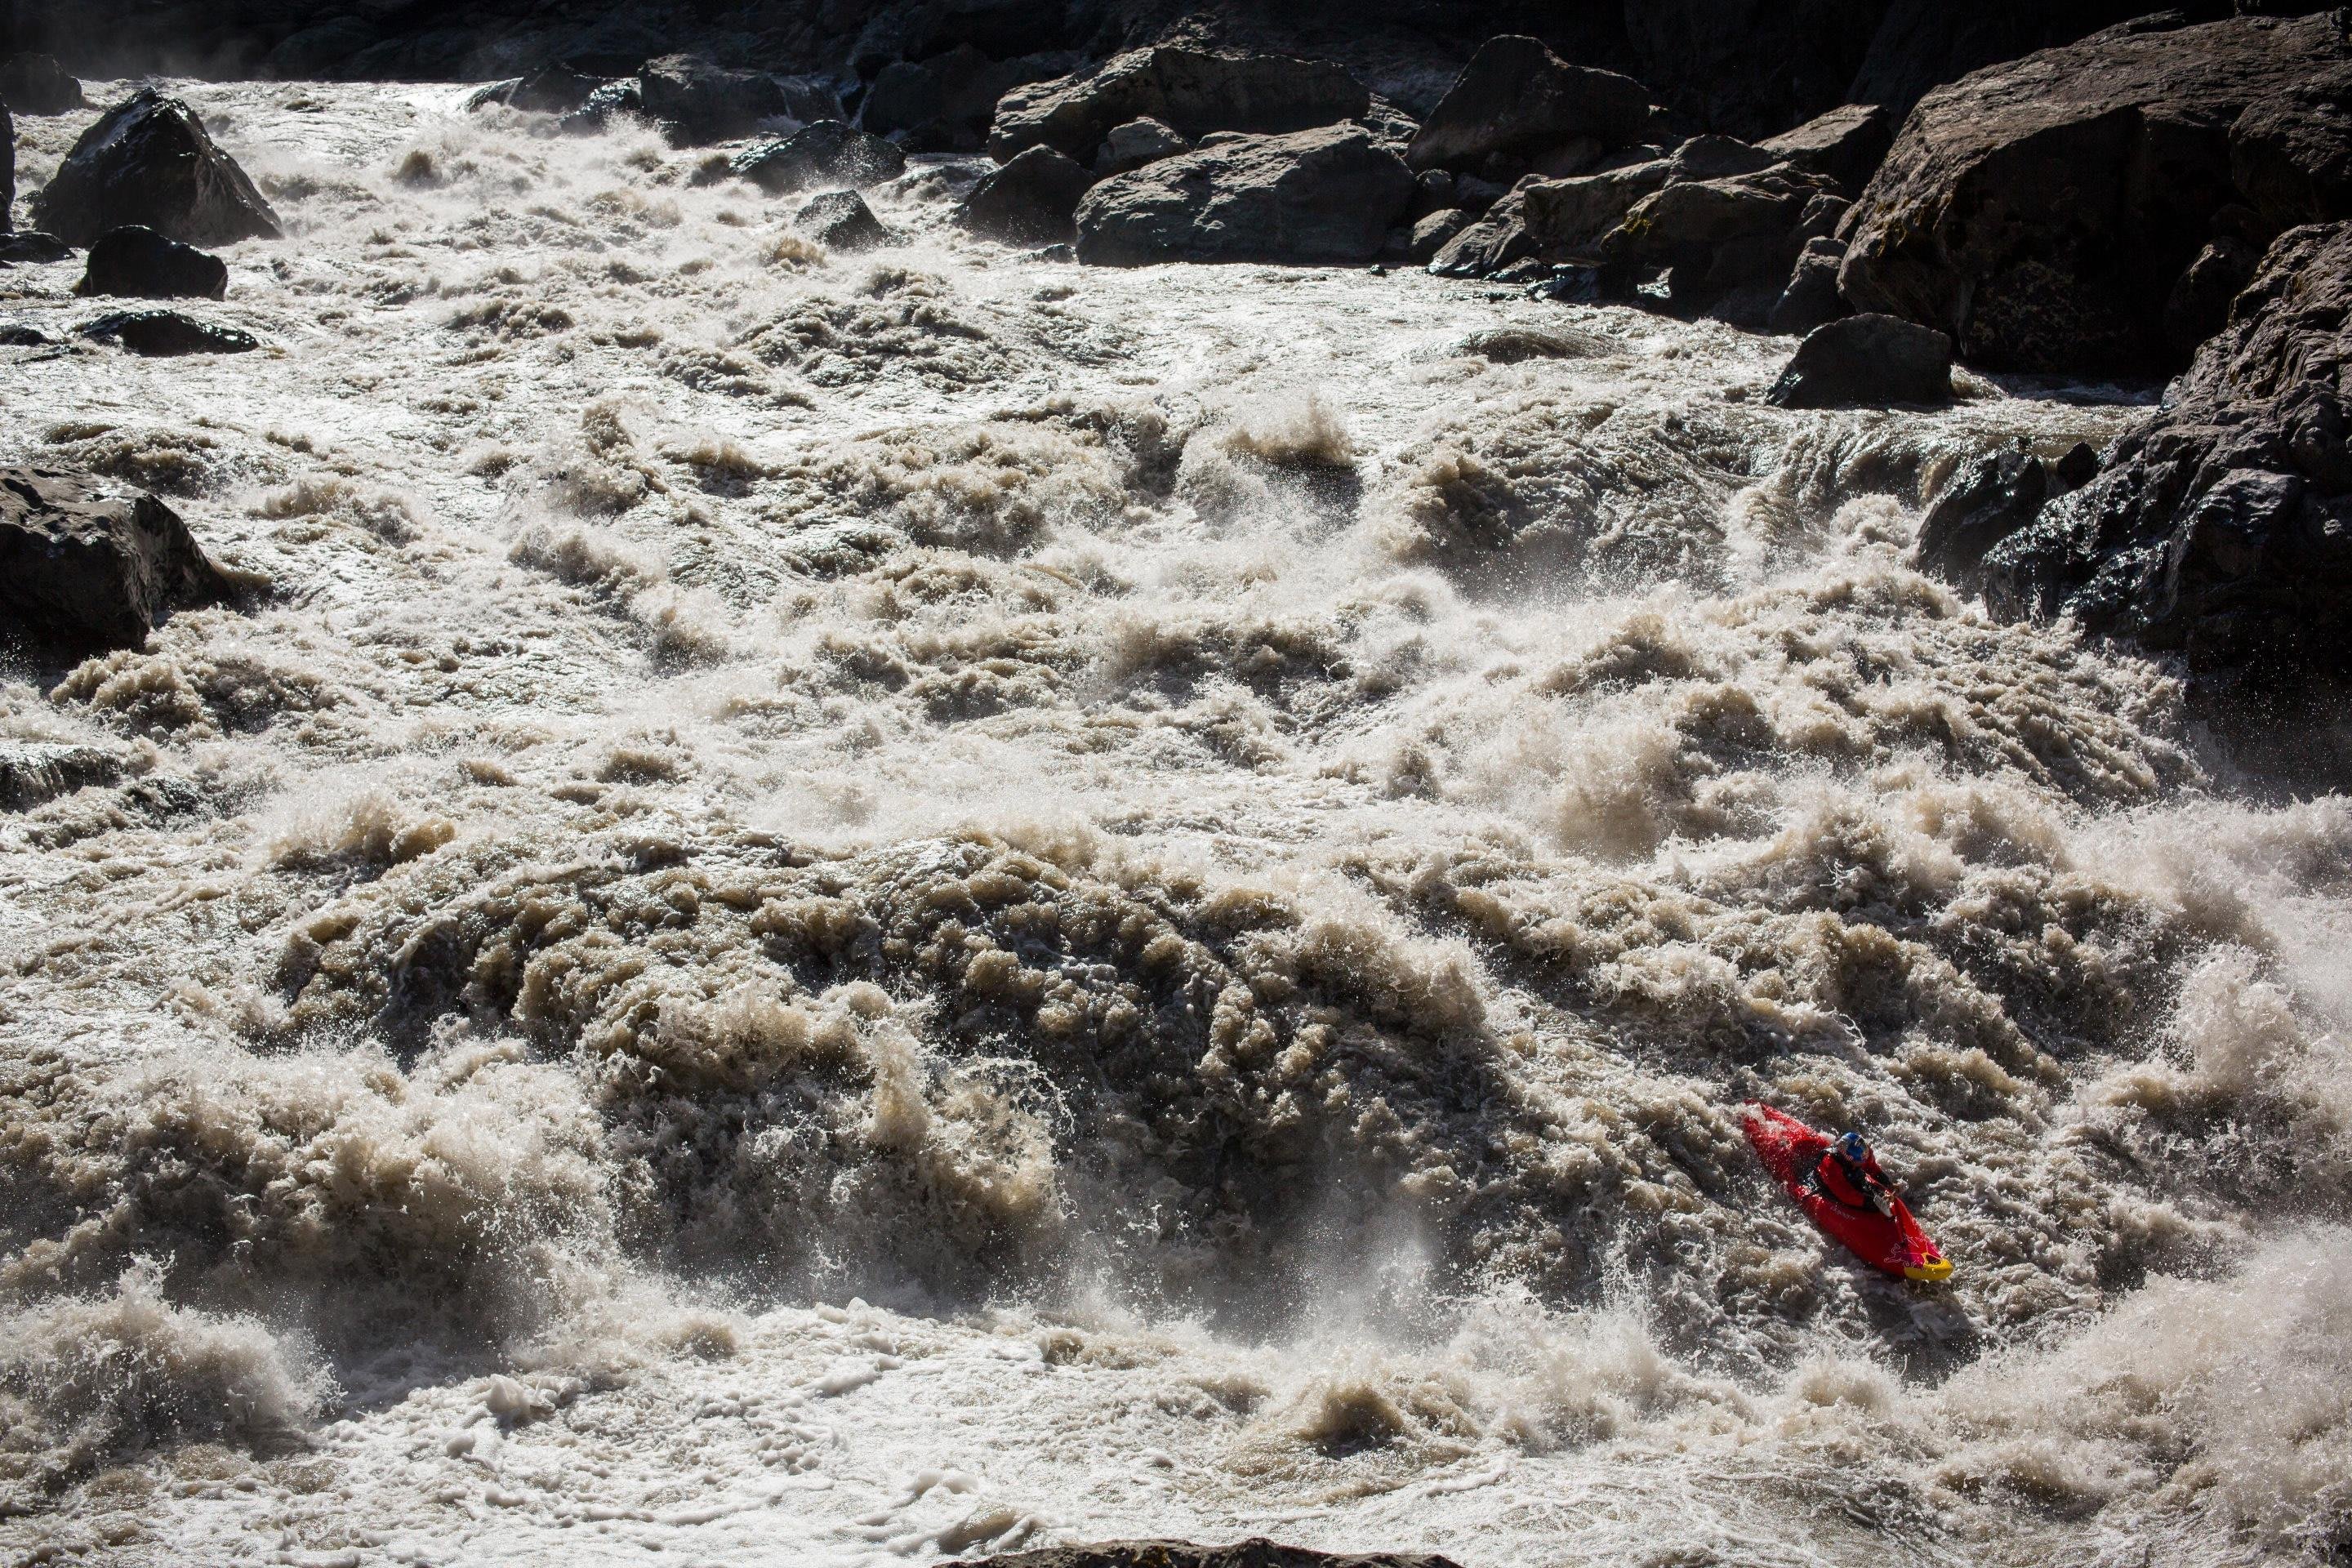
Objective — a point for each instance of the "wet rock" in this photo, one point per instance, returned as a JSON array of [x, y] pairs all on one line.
[[141, 264], [1500, 238], [1136, 143], [944, 104], [1254, 1552], [2222, 528], [1434, 232], [1847, 144], [1992, 497], [2042, 212], [1517, 101], [607, 103], [1567, 219], [700, 102], [840, 220], [36, 84], [828, 153], [34, 773], [324, 51], [1715, 158], [1032, 200], [1809, 297], [1327, 195], [167, 334], [31, 245], [17, 335], [82, 567], [1866, 360], [147, 161], [550, 89], [1191, 91], [1722, 245]]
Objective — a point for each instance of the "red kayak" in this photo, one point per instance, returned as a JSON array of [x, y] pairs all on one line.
[[1791, 1151]]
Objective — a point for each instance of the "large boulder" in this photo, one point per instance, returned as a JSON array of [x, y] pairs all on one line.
[[1722, 245], [1032, 200], [1517, 102], [36, 84], [944, 104], [147, 161], [1189, 91], [1846, 145], [700, 102], [2222, 527], [167, 334], [2042, 212], [1256, 1553], [1498, 238], [840, 220], [138, 263], [1326, 195], [1866, 361], [82, 567], [827, 153], [1568, 219]]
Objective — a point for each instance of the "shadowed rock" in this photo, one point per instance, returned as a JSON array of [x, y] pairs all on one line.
[[1866, 360], [1136, 143], [1191, 91], [36, 84], [138, 263], [1846, 145], [701, 102], [828, 153], [167, 334], [1517, 101], [83, 568], [1315, 197], [1031, 200], [944, 104], [147, 161], [840, 220]]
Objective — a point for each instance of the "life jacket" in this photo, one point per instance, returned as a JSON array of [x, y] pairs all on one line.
[[1848, 1185]]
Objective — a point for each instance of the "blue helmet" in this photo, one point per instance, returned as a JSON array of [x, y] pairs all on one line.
[[1852, 1149]]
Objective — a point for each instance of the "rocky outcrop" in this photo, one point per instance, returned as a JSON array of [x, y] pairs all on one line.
[[828, 153], [1191, 91], [147, 161], [1866, 361], [2222, 528], [167, 334], [1032, 200], [1256, 1553], [1322, 196], [1702, 242], [1992, 497], [84, 568], [698, 102], [944, 104], [840, 220], [1846, 145], [2042, 213], [36, 84], [1810, 298], [138, 263], [1517, 104]]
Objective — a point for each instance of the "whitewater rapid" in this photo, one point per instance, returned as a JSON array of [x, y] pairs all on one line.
[[844, 909]]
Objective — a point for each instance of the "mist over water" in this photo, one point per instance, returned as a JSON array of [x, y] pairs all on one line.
[[853, 908]]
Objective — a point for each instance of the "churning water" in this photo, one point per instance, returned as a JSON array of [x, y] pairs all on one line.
[[849, 908]]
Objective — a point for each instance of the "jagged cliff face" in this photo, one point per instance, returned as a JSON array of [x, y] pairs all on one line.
[[915, 900]]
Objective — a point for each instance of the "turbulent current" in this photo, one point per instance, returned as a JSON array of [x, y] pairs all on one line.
[[850, 908]]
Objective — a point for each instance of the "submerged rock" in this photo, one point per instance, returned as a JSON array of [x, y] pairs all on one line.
[[1256, 1553], [1191, 91], [2042, 212], [1314, 196], [147, 161], [1866, 360], [82, 568], [828, 153], [139, 263], [1030, 200], [840, 220], [36, 84], [1517, 101], [167, 334], [33, 773], [2222, 528]]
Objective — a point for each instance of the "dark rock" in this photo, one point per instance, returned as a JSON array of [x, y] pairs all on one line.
[[30, 245], [17, 335], [82, 568], [141, 264], [1189, 91], [701, 102], [828, 153], [840, 220], [1866, 360], [1515, 100], [1432, 192], [1136, 143], [1567, 219], [1748, 67], [1032, 200], [604, 105], [1500, 238], [36, 84], [1992, 497], [2222, 528], [1725, 247], [1847, 144], [1434, 233], [147, 161], [1716, 158], [166, 334], [944, 104], [1326, 195], [1256, 1553], [2291, 151], [2200, 304], [2042, 212], [550, 89], [33, 773], [1809, 297]]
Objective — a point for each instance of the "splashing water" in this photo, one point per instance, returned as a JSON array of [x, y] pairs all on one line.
[[1211, 850]]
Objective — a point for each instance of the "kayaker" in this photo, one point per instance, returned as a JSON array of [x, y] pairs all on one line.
[[1849, 1173]]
